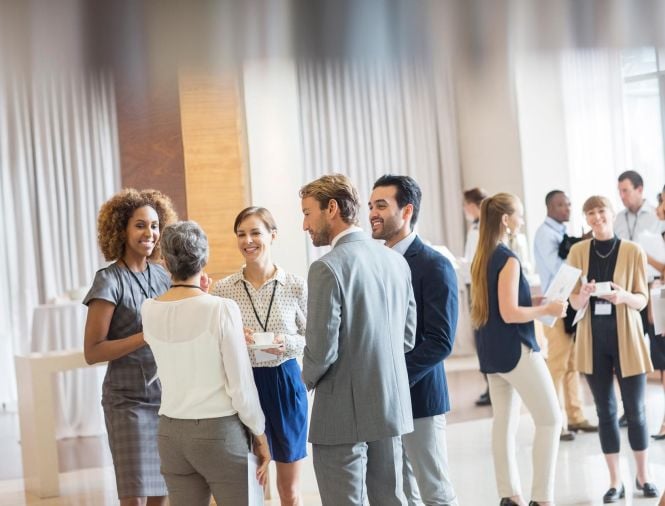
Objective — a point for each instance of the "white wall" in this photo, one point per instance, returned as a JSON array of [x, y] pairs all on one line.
[[487, 122], [542, 134], [273, 136]]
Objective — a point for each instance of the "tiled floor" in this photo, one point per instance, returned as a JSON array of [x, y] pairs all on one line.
[[581, 472]]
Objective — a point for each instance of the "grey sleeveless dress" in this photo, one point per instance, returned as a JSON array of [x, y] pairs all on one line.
[[130, 403]]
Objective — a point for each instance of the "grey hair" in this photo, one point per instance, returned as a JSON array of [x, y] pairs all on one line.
[[184, 248]]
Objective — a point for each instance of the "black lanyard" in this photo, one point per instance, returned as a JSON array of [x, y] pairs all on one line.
[[631, 232], [136, 278], [272, 298]]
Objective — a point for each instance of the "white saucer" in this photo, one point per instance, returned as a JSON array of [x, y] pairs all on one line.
[[594, 294], [262, 346]]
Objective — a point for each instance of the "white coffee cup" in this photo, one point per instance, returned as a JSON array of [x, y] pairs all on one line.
[[263, 337], [603, 288]]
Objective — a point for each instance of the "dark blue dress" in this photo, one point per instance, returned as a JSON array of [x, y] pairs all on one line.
[[500, 343]]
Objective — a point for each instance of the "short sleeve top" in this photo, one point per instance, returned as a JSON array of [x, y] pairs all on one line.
[[500, 343], [117, 285]]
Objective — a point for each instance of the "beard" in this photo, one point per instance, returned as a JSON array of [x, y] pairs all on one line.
[[387, 230], [322, 236]]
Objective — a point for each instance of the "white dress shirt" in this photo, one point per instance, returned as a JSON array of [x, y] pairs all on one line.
[[629, 225], [546, 250], [199, 348], [404, 244], [288, 314], [348, 231]]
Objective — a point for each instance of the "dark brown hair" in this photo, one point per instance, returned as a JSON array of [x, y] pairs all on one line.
[[263, 214], [475, 196], [115, 213]]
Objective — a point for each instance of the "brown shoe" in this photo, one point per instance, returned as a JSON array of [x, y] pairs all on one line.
[[583, 426]]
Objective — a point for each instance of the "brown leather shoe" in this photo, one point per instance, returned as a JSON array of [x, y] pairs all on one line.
[[583, 426]]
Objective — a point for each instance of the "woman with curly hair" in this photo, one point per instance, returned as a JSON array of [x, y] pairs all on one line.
[[129, 226]]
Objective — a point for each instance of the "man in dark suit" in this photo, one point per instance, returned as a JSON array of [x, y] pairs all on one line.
[[393, 211]]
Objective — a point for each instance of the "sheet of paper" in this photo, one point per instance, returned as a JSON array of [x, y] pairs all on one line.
[[255, 489], [261, 356], [580, 314], [654, 246], [560, 288]]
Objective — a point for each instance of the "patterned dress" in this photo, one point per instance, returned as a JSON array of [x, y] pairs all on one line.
[[130, 396]]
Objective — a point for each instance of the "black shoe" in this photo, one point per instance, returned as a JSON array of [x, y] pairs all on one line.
[[484, 400], [507, 501], [614, 494], [534, 503], [583, 426], [658, 437], [648, 489], [622, 421], [567, 436]]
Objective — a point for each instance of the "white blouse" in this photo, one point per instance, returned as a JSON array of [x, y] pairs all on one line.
[[288, 314], [199, 348]]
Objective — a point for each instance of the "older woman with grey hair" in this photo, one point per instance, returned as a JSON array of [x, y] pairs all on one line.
[[208, 394]]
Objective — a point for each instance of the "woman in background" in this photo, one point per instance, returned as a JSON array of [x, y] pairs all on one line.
[[501, 310], [208, 397], [472, 200], [128, 230], [609, 340], [273, 300]]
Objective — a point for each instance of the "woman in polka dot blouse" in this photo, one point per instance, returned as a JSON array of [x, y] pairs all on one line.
[[272, 300]]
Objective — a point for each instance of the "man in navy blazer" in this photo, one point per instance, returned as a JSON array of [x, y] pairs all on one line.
[[393, 211]]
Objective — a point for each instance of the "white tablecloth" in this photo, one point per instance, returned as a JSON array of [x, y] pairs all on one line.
[[57, 327]]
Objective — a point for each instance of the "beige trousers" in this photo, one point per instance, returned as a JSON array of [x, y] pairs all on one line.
[[531, 382], [560, 362]]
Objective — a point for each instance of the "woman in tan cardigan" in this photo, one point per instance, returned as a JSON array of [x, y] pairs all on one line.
[[610, 339]]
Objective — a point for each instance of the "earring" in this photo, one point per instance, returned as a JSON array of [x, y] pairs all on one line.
[[508, 231]]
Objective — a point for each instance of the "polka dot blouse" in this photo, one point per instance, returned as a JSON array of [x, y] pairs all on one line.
[[288, 314]]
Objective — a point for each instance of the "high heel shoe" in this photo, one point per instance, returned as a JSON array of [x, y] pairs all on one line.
[[614, 494], [507, 501], [648, 489]]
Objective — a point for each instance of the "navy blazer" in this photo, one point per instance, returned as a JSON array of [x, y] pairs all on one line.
[[435, 289]]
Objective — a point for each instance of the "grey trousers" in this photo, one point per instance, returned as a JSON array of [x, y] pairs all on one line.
[[426, 464], [348, 475], [203, 456]]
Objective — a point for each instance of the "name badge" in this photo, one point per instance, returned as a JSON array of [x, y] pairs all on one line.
[[602, 308]]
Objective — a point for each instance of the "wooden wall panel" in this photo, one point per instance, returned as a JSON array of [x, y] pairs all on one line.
[[215, 170], [149, 135]]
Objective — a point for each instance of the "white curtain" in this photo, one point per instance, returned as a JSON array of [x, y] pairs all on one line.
[[59, 161], [592, 92], [366, 120]]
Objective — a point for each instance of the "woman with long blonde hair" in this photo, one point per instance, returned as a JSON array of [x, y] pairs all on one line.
[[502, 312]]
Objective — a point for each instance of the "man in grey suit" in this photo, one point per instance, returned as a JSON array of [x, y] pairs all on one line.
[[361, 319]]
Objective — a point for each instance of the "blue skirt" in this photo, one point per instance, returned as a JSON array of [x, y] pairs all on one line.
[[284, 402]]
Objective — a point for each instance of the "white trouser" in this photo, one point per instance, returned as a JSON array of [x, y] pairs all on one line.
[[530, 380]]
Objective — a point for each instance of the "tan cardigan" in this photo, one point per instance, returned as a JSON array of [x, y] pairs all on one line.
[[629, 273]]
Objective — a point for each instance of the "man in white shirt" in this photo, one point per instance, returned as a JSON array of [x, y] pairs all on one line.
[[560, 344], [637, 216]]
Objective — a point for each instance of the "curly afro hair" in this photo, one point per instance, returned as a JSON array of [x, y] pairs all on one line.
[[115, 213]]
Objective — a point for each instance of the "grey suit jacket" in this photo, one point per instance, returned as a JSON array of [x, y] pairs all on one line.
[[361, 319]]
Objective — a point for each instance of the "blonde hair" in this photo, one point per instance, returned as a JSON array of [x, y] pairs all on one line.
[[596, 202], [490, 232], [335, 187]]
